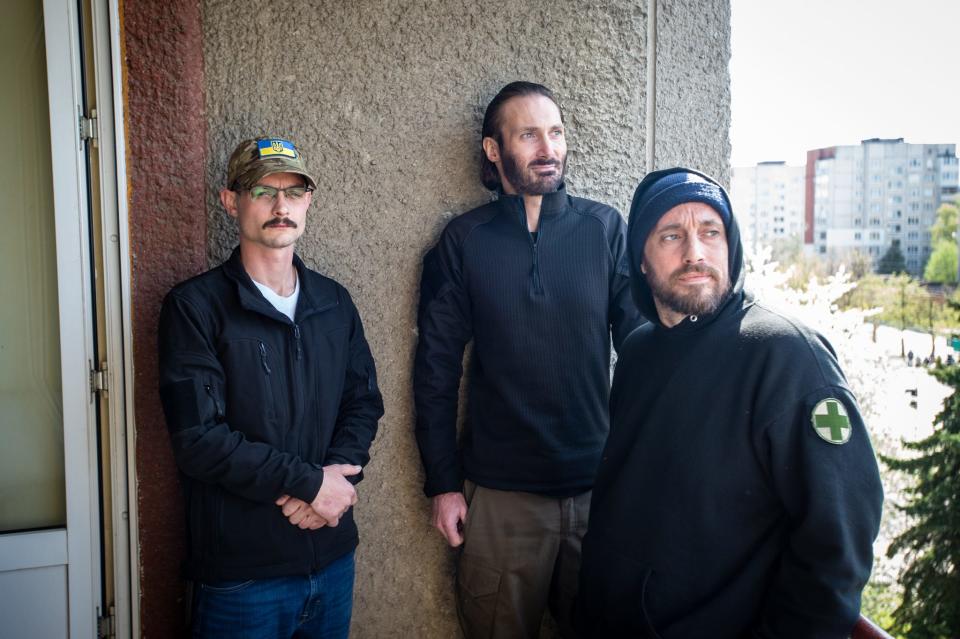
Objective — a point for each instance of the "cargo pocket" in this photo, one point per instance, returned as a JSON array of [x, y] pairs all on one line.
[[477, 589]]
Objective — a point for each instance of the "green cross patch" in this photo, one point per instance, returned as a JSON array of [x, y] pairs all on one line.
[[830, 421]]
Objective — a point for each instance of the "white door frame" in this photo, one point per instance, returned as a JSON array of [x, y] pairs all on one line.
[[106, 78], [109, 81], [61, 27], [77, 546]]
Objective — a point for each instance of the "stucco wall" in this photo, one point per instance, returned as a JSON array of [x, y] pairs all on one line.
[[385, 100], [693, 86]]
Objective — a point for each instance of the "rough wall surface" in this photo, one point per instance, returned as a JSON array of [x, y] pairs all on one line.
[[693, 86], [386, 98], [165, 129]]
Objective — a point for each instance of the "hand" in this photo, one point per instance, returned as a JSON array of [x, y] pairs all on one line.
[[449, 513], [300, 514], [336, 494]]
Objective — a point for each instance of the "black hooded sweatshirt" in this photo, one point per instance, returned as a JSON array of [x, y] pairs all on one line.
[[718, 509]]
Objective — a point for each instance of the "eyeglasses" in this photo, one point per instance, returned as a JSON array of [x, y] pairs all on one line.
[[263, 193]]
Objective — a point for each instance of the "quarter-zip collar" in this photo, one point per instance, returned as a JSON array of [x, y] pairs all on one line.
[[312, 299], [551, 205]]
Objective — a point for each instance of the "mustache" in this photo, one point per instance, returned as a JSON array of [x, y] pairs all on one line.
[[545, 162], [696, 268], [282, 221]]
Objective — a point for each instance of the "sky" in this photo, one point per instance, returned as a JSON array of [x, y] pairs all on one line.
[[807, 74]]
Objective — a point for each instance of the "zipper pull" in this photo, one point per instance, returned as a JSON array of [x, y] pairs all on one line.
[[296, 338], [263, 358], [216, 403], [537, 286]]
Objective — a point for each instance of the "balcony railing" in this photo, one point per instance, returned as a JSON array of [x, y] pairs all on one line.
[[866, 629]]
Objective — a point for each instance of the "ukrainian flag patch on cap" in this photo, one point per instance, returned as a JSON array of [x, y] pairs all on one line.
[[274, 147]]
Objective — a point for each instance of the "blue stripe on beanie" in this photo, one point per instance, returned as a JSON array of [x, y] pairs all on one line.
[[674, 188], [677, 188]]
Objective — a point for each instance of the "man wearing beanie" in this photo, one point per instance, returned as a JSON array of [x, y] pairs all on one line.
[[538, 280], [271, 399], [738, 494]]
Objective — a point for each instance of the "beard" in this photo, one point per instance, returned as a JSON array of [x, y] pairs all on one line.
[[689, 300], [526, 181]]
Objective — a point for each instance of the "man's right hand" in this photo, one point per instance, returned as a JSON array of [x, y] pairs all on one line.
[[336, 494], [449, 512]]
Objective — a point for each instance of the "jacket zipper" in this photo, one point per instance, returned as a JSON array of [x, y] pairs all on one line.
[[296, 398], [263, 358], [537, 287], [535, 248], [296, 339], [298, 401], [218, 409]]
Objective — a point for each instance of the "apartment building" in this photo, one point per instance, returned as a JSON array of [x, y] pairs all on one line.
[[879, 193], [769, 201]]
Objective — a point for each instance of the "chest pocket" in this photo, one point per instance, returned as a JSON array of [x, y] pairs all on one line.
[[255, 401]]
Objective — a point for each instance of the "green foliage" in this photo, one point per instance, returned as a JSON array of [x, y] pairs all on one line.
[[892, 261], [931, 579], [942, 265], [878, 603], [905, 303], [859, 264], [945, 228]]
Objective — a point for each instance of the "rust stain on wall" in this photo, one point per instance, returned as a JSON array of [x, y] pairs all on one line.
[[166, 156]]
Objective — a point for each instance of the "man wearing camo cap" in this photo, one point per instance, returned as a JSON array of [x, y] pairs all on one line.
[[271, 399]]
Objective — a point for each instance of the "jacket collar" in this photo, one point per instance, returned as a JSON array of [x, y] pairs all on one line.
[[313, 298], [552, 204]]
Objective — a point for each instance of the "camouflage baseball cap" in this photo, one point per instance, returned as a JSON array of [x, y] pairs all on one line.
[[253, 159]]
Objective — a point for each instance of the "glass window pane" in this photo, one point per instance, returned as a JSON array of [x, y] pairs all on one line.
[[31, 409]]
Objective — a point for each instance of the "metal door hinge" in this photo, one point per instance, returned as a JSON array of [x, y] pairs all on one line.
[[105, 625], [99, 379], [89, 127]]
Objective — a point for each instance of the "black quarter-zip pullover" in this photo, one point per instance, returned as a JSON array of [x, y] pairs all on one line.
[[540, 310]]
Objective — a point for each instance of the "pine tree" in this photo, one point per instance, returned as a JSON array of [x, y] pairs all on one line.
[[892, 261], [931, 579]]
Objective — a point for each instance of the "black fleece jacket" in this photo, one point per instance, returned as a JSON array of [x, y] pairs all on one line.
[[718, 510], [540, 313], [256, 405]]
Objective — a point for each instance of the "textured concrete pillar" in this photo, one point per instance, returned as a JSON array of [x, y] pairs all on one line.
[[693, 86]]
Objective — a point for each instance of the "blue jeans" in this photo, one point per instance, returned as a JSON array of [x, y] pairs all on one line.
[[317, 606]]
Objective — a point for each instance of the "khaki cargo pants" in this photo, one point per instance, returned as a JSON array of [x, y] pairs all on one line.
[[521, 553]]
